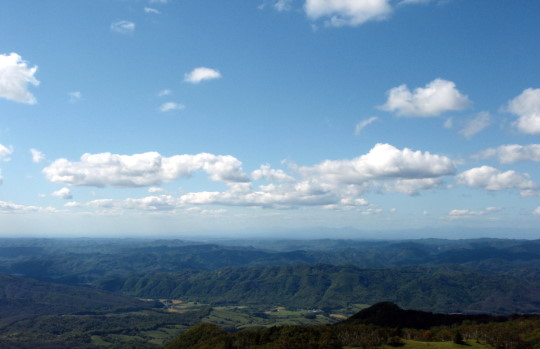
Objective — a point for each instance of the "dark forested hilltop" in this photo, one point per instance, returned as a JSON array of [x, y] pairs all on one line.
[[21, 297]]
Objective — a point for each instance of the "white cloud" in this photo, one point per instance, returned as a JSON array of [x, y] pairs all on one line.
[[412, 2], [464, 214], [201, 74], [435, 98], [164, 93], [148, 203], [340, 13], [372, 211], [37, 156], [170, 106], [512, 153], [527, 107], [274, 196], [384, 161], [475, 125], [282, 5], [147, 169], [362, 124], [63, 193], [151, 10], [493, 209], [332, 184], [412, 186], [5, 152], [15, 76], [9, 207], [490, 178], [123, 27], [153, 190], [537, 211], [75, 96], [270, 174]]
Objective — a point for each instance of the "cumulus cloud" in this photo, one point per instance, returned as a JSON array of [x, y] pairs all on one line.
[[362, 124], [151, 10], [512, 153], [201, 74], [338, 13], [123, 27], [5, 152], [537, 211], [274, 196], [170, 106], [331, 184], [270, 174], [527, 107], [492, 179], [63, 193], [384, 161], [475, 125], [435, 98], [146, 169], [15, 77]]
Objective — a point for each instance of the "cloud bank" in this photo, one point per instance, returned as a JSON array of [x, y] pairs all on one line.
[[146, 169]]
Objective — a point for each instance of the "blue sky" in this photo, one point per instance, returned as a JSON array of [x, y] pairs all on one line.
[[297, 118]]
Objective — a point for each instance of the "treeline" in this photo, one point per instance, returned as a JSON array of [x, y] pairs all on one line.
[[125, 330], [438, 288], [515, 332]]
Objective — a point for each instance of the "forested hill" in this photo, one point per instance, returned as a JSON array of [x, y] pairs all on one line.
[[21, 297], [388, 314], [438, 288]]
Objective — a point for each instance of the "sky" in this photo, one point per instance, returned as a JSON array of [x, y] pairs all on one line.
[[290, 118]]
